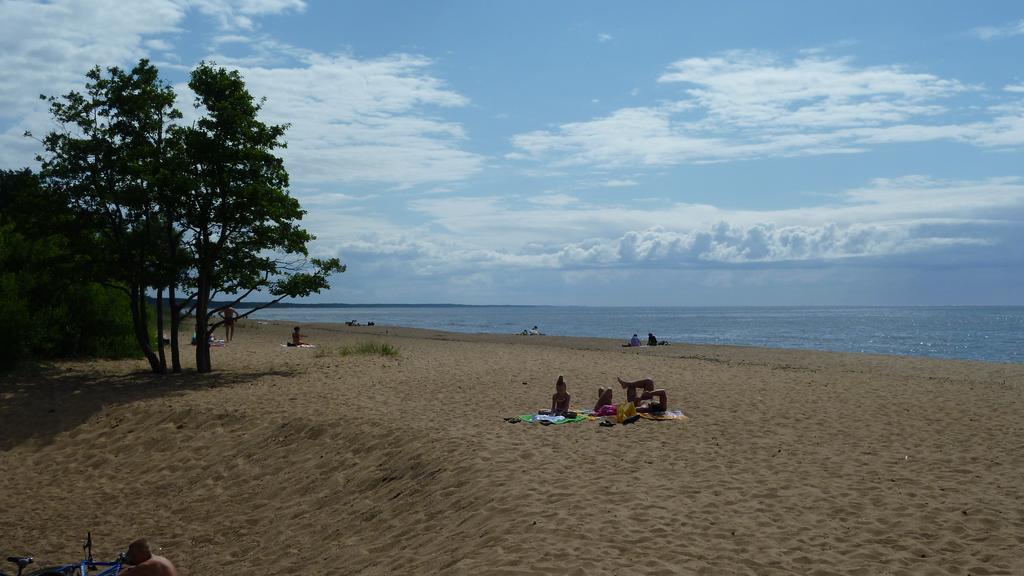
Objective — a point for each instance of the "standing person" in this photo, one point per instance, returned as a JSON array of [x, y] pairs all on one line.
[[144, 563], [229, 315]]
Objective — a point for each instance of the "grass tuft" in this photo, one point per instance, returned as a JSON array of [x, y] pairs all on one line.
[[370, 348]]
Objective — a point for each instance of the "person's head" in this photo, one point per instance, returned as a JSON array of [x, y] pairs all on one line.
[[138, 552], [655, 406], [634, 335], [560, 384], [296, 330]]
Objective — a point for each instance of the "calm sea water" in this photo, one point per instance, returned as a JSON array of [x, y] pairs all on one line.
[[994, 334]]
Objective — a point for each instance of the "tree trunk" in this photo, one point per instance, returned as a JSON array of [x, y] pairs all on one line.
[[202, 332], [160, 330], [175, 325], [138, 306]]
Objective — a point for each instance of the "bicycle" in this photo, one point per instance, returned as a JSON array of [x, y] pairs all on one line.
[[86, 567]]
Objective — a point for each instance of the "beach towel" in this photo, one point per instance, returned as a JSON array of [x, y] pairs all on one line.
[[299, 346], [549, 419], [667, 415]]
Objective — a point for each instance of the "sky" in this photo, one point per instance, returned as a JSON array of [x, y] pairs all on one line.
[[603, 153]]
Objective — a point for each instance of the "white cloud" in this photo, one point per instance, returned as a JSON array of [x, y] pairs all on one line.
[[743, 105], [620, 183], [1018, 88], [755, 89], [364, 120], [553, 200], [238, 14], [158, 44], [353, 120], [603, 37], [912, 217], [991, 32]]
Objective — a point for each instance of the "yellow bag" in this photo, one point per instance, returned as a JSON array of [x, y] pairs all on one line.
[[624, 410]]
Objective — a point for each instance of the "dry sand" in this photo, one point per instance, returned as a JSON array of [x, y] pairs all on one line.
[[291, 461]]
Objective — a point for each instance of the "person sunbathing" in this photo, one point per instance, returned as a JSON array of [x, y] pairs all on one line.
[[560, 401], [649, 400], [297, 338], [653, 402], [631, 388]]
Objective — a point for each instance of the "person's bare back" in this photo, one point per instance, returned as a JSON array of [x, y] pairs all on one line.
[[145, 563]]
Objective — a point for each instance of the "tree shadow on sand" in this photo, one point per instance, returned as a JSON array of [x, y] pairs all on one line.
[[39, 404]]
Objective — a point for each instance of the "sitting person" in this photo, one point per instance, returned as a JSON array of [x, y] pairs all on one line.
[[634, 341], [560, 401], [651, 340], [297, 338]]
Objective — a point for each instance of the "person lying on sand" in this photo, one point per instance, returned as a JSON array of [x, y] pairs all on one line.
[[650, 400], [144, 563], [631, 387], [560, 401]]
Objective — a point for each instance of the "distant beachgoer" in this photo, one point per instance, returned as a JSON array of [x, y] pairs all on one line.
[[297, 338], [229, 315], [560, 401], [634, 341], [143, 562], [534, 331], [651, 339]]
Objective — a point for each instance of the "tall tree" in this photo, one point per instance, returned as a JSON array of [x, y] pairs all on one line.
[[241, 224], [107, 160]]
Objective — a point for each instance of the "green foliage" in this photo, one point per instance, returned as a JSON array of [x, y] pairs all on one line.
[[243, 224], [45, 316], [147, 204], [370, 347]]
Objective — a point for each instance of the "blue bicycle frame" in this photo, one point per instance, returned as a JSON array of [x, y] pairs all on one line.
[[86, 567]]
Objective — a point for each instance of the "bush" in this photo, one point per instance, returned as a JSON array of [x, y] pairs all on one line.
[[370, 348]]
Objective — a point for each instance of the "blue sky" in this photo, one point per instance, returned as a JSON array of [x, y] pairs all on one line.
[[598, 153]]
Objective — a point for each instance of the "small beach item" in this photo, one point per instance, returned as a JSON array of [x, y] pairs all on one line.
[[290, 345]]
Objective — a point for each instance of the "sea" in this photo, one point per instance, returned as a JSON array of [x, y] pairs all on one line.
[[986, 333]]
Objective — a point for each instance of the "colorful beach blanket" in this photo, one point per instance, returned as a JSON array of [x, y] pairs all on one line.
[[545, 418], [667, 415]]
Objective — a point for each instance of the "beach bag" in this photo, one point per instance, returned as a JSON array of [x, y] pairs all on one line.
[[624, 411]]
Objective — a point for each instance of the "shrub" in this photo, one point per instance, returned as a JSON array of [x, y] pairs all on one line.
[[370, 348]]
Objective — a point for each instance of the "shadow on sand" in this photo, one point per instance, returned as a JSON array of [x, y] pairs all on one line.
[[38, 404]]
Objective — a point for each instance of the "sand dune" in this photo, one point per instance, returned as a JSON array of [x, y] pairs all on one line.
[[290, 460]]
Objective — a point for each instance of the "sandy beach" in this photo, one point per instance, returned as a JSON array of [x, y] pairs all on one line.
[[306, 461]]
